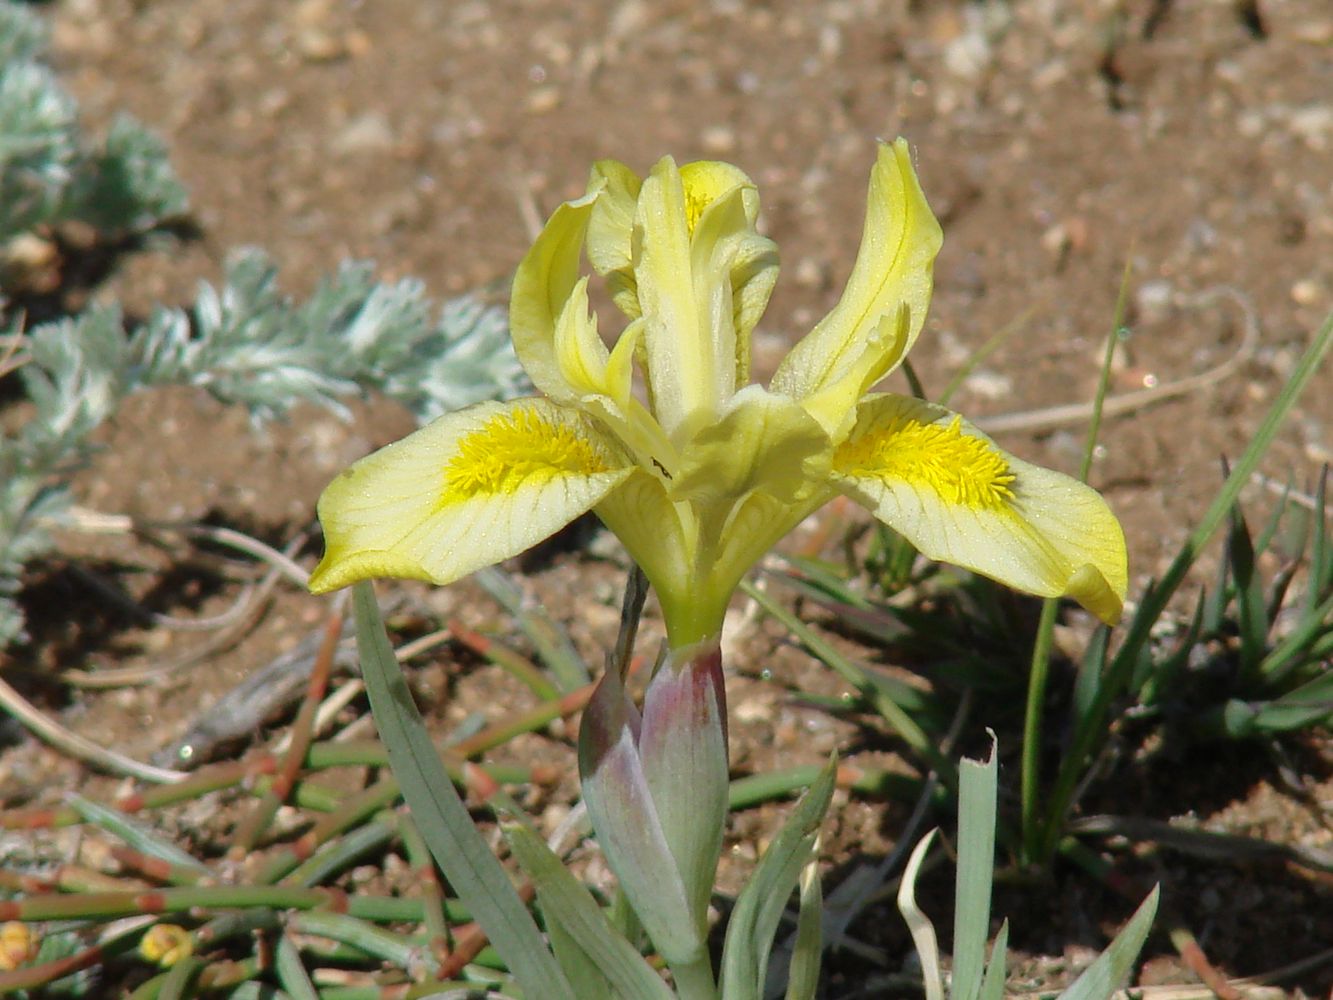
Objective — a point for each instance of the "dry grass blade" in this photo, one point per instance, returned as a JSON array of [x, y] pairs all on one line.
[[79, 747]]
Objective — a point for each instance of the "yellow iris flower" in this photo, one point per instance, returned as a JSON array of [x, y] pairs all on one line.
[[701, 473]]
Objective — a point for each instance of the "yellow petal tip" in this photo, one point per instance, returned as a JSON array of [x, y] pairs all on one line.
[[1092, 590]]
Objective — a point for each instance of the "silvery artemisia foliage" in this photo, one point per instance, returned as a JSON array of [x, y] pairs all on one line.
[[246, 344], [48, 172]]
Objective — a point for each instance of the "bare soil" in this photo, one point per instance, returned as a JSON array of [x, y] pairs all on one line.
[[1058, 142]]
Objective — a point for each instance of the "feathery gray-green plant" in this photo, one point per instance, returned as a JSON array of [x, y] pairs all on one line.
[[247, 344], [49, 171]]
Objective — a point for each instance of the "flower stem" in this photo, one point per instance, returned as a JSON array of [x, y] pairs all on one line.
[[1031, 766], [694, 980]]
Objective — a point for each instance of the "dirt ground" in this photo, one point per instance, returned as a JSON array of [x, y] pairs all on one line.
[[1057, 142]]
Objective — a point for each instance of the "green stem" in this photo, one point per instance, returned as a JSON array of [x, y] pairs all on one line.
[[694, 980], [1031, 765], [125, 904], [754, 789]]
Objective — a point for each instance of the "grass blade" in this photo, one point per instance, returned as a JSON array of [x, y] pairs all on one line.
[[1251, 603], [442, 818], [136, 835], [803, 973], [1105, 975], [1150, 610], [567, 903], [977, 792], [894, 713], [551, 642], [918, 924], [992, 987], [759, 907]]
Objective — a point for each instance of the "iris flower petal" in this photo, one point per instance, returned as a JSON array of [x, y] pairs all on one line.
[[883, 306], [734, 271], [466, 491], [543, 284], [763, 442], [680, 361], [611, 231], [958, 498]]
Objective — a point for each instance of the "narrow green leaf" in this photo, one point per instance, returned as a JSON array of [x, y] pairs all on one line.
[[442, 818], [1151, 608], [760, 905], [1090, 671], [1251, 605], [136, 835], [992, 987], [568, 904], [1269, 533], [1104, 976], [992, 344], [1160, 685], [977, 791], [807, 949], [552, 643], [1294, 650], [1321, 551], [1306, 705], [179, 982], [291, 971], [893, 712], [1118, 332], [1033, 711], [581, 970]]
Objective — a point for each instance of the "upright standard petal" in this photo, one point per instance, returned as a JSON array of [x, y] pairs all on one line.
[[611, 231], [883, 306], [466, 491], [734, 270], [680, 361], [958, 498], [543, 284]]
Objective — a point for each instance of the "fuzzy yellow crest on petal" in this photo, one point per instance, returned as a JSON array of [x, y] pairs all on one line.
[[513, 449], [956, 496], [961, 468], [465, 491]]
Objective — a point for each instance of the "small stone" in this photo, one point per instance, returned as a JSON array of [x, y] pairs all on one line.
[[718, 139], [989, 384], [367, 133], [810, 273], [1154, 300], [1306, 292], [542, 100]]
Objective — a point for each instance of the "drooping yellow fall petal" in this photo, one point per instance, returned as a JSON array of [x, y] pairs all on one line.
[[958, 498], [883, 306], [466, 491]]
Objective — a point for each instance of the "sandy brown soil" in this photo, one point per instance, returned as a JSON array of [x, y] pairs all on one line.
[[1056, 141]]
